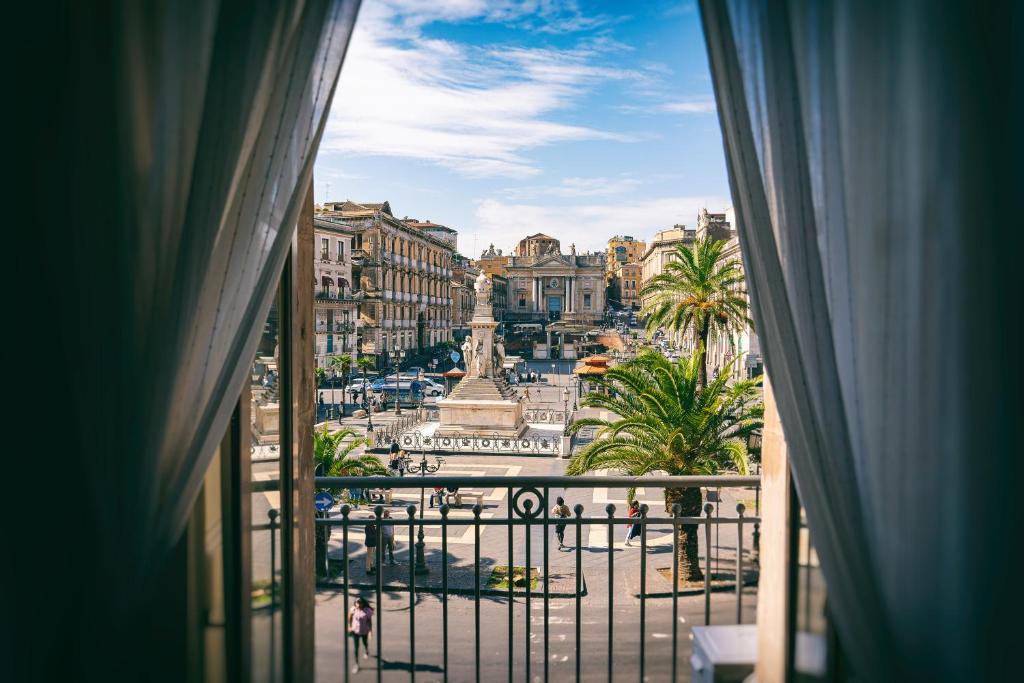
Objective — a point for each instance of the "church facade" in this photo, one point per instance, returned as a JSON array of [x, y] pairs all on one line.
[[546, 285]]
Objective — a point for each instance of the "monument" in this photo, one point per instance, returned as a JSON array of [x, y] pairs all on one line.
[[482, 403]]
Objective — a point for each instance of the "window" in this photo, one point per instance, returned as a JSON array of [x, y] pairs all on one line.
[[324, 249], [586, 301], [341, 250]]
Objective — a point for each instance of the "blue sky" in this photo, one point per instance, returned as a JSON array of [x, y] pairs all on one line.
[[503, 118]]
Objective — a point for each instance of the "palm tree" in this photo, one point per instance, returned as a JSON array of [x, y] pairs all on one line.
[[340, 365], [697, 291], [667, 421], [333, 458]]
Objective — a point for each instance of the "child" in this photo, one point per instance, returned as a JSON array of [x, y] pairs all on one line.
[[561, 510], [633, 529], [360, 625]]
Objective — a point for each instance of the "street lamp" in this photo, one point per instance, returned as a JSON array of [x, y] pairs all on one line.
[[565, 408], [399, 356], [423, 468], [553, 370], [754, 444]]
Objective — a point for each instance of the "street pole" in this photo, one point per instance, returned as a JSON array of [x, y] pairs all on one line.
[[398, 381]]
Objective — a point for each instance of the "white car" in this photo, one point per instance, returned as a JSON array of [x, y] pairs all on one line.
[[431, 388], [357, 385]]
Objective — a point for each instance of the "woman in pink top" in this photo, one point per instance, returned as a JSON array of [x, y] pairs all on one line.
[[360, 624]]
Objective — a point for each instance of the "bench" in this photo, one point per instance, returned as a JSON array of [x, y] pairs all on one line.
[[472, 495]]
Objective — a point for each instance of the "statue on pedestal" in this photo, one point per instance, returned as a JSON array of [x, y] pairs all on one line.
[[478, 358], [483, 289], [467, 353]]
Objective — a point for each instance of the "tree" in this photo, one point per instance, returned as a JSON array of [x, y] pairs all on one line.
[[341, 364], [333, 458], [667, 421], [700, 292]]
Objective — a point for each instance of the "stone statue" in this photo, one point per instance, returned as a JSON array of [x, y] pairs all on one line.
[[467, 353], [478, 357], [572, 248], [483, 289], [499, 356]]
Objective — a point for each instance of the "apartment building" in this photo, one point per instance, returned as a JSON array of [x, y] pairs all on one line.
[[402, 275]]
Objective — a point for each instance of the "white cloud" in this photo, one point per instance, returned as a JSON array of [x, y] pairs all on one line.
[[588, 226], [576, 187], [475, 110], [696, 106], [693, 105]]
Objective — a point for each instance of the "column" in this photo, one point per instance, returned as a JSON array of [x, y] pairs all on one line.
[[565, 299], [572, 294], [536, 294]]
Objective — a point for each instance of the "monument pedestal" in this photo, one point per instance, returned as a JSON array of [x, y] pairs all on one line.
[[484, 406], [482, 403]]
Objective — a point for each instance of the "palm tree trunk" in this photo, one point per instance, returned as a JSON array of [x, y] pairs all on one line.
[[702, 336], [688, 560], [322, 535]]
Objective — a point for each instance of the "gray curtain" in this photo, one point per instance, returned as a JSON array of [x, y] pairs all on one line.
[[186, 134], [867, 146]]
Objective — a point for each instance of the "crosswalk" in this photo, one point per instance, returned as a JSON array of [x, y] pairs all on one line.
[[432, 532]]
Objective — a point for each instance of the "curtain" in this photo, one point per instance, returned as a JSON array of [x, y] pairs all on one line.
[[867, 148], [186, 134]]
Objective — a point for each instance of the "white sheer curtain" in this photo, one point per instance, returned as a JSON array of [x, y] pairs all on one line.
[[190, 130], [864, 153]]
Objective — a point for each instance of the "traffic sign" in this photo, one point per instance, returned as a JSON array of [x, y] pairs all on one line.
[[455, 356], [324, 501]]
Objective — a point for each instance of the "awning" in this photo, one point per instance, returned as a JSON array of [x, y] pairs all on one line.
[[326, 281]]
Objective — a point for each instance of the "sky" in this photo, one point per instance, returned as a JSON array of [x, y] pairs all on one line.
[[581, 120]]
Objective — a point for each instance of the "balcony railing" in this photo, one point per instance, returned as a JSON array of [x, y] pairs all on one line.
[[527, 602], [333, 295]]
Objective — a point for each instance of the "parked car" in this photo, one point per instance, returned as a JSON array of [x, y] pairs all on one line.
[[430, 387], [358, 385]]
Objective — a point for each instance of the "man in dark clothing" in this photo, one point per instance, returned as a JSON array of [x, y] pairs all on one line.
[[371, 546]]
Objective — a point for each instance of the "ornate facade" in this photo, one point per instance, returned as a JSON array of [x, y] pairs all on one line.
[[402, 277], [544, 284], [334, 306]]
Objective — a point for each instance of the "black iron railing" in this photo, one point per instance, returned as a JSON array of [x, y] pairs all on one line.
[[528, 503]]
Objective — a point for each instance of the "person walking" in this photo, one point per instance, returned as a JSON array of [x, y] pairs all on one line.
[[438, 493], [388, 534], [561, 511], [526, 394], [360, 625], [401, 463], [371, 546], [633, 529]]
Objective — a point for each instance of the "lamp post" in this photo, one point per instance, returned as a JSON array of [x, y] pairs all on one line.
[[754, 444], [423, 468], [565, 408], [399, 356]]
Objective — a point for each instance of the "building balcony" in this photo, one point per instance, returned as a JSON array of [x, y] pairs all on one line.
[[336, 328], [333, 295]]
